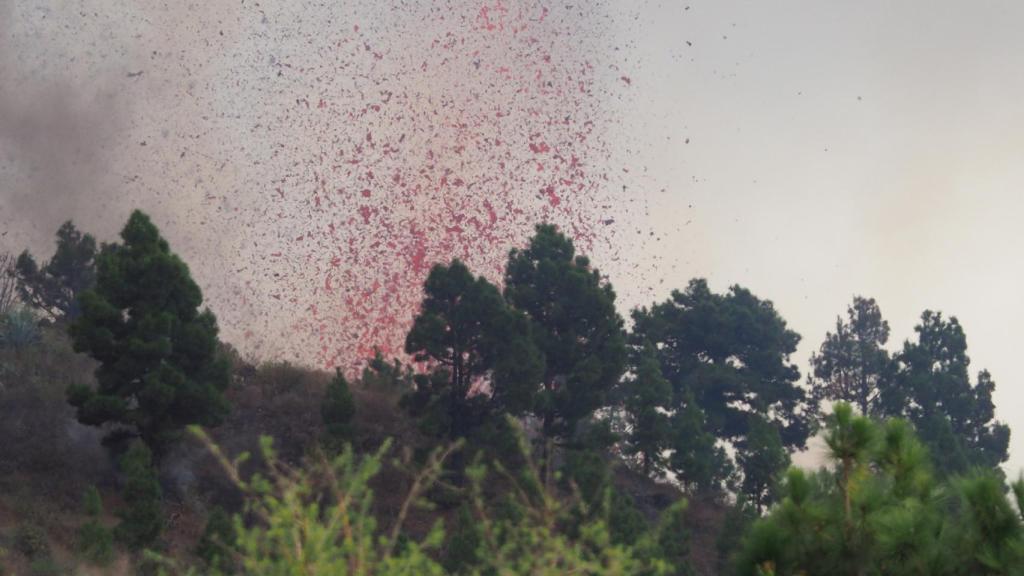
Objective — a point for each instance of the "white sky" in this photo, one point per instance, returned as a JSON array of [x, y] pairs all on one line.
[[840, 148]]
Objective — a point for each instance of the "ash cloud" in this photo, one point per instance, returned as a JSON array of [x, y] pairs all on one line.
[[54, 144], [55, 134]]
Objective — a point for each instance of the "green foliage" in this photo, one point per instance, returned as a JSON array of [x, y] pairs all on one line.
[[849, 439], [988, 532], [54, 287], [852, 363], [729, 354], [380, 375], [626, 525], [673, 539], [587, 473], [19, 328], [338, 410], [932, 388], [696, 460], [468, 334], [878, 510], [763, 458], [46, 566], [647, 396], [536, 531], [574, 325], [738, 519], [318, 520], [31, 540], [216, 546], [462, 551], [95, 541], [142, 518], [160, 366]]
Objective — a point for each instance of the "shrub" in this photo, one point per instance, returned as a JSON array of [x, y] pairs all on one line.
[[216, 545], [30, 539], [673, 539], [46, 566], [95, 541], [462, 553], [338, 410], [142, 520], [317, 520], [625, 523], [380, 375], [19, 328], [280, 378]]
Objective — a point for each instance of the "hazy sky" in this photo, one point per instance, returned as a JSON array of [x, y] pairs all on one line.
[[808, 150], [841, 148]]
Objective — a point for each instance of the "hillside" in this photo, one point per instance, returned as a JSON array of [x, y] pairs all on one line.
[[48, 460]]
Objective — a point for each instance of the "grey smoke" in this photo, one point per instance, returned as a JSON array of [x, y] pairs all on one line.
[[54, 139], [55, 135]]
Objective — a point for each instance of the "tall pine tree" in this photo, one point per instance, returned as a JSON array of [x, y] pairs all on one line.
[[478, 350], [160, 369], [729, 354], [575, 327], [852, 363], [932, 388], [646, 396]]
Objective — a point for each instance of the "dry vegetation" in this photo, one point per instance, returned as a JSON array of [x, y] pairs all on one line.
[[48, 459]]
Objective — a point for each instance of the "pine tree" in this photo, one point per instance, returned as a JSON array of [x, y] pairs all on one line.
[[673, 539], [932, 388], [338, 410], [380, 375], [877, 509], [647, 396], [697, 461], [462, 554], [575, 327], [852, 363], [474, 345], [730, 354], [763, 458], [54, 287], [95, 541], [160, 368], [217, 543]]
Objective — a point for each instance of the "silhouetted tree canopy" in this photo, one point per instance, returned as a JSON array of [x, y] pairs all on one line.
[[731, 352], [931, 387], [696, 460], [574, 325], [473, 342], [763, 459], [338, 410], [55, 286], [852, 363], [646, 397]]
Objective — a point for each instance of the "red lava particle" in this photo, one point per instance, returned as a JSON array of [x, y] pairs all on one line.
[[466, 109]]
